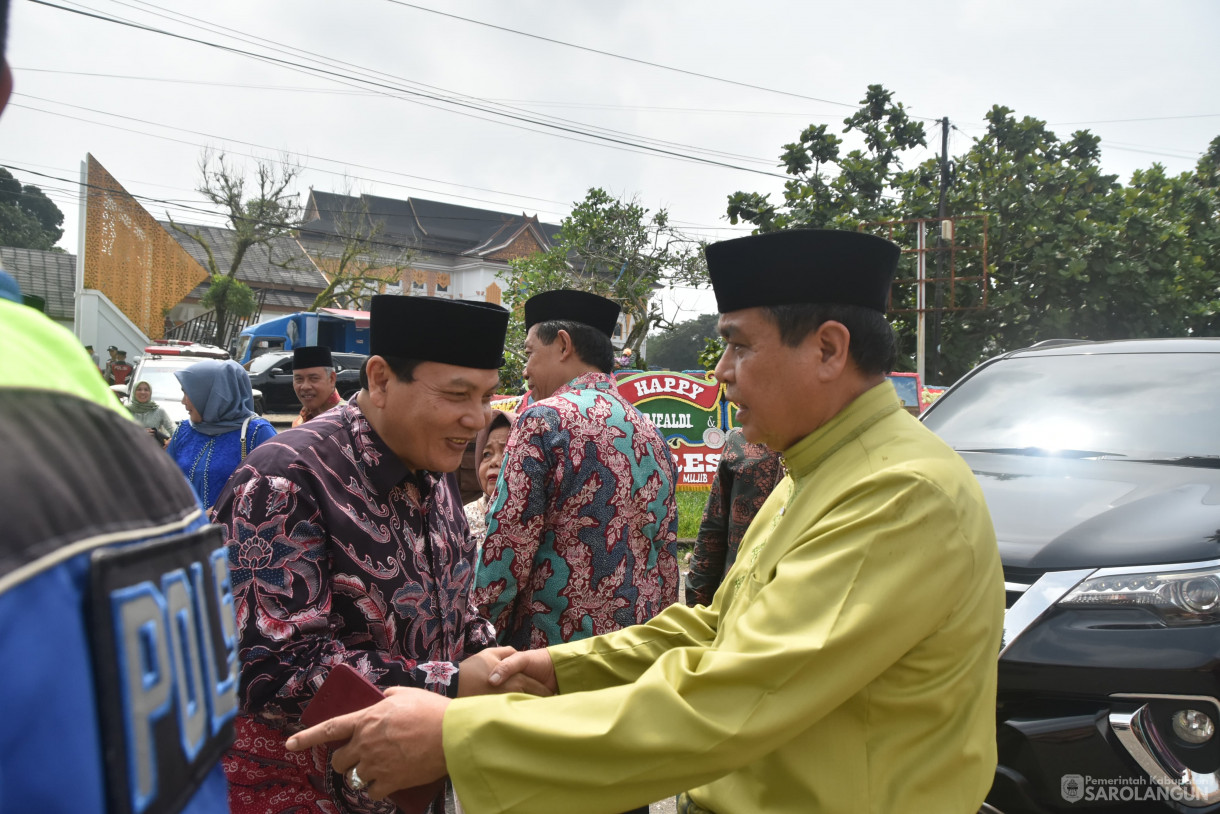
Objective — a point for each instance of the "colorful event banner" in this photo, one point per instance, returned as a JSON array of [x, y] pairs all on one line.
[[689, 412], [692, 413], [688, 409]]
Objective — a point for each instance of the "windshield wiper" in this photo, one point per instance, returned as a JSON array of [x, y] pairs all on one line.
[[1045, 452], [1202, 461]]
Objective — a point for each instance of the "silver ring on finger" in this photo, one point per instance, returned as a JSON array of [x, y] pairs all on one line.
[[354, 780]]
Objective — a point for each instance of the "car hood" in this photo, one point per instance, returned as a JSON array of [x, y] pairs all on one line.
[[1058, 513], [176, 411]]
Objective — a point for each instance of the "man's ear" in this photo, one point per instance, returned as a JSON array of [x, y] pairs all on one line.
[[831, 345], [565, 344], [378, 373]]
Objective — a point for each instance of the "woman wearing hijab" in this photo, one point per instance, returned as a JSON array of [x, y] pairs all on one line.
[[223, 426], [488, 455], [150, 415]]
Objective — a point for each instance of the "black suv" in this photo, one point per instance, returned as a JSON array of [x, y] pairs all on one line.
[[1101, 466], [272, 374]]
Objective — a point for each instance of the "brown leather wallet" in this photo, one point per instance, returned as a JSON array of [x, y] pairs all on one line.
[[345, 690]]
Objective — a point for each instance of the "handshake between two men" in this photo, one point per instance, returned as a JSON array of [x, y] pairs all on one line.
[[397, 743]]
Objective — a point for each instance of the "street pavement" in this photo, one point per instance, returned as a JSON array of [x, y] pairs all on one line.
[[666, 806], [281, 421]]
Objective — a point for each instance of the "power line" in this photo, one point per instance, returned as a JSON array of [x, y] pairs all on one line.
[[1146, 119], [364, 73], [627, 58], [227, 139], [299, 229], [688, 227], [244, 37], [1106, 144], [319, 158], [561, 128], [278, 88], [719, 111], [251, 155]]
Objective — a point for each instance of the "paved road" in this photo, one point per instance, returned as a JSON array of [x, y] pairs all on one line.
[[281, 421], [668, 806]]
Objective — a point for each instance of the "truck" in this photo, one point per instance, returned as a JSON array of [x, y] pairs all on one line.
[[341, 330], [915, 395]]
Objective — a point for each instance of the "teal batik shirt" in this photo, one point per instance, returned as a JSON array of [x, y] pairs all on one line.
[[582, 529]]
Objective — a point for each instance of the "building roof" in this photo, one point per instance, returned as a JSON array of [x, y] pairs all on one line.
[[431, 227], [285, 264], [275, 298], [50, 275]]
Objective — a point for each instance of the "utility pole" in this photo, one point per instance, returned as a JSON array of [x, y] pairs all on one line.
[[944, 234]]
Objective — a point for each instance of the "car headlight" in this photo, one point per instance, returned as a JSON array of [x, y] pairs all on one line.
[[1179, 597]]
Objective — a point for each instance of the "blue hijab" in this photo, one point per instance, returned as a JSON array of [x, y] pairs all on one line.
[[220, 391]]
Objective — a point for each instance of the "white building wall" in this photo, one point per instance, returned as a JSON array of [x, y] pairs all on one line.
[[100, 323]]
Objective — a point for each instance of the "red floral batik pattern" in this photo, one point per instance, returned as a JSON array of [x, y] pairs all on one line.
[[582, 528]]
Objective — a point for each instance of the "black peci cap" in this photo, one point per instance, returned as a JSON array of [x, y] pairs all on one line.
[[574, 306], [311, 356], [802, 266], [453, 332]]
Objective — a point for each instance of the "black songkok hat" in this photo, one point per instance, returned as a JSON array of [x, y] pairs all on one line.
[[311, 356], [429, 329], [802, 266], [573, 306]]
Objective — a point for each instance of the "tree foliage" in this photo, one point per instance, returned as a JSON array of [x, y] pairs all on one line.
[[257, 209], [1072, 252], [713, 349], [612, 247], [231, 294], [28, 218], [358, 262], [833, 191], [679, 347]]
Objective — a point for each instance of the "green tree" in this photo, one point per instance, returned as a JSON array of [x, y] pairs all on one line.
[[678, 348], [612, 247], [28, 218], [1072, 253], [713, 349], [357, 261], [833, 191], [257, 213]]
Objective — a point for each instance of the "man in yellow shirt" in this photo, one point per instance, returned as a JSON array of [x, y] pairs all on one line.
[[848, 661]]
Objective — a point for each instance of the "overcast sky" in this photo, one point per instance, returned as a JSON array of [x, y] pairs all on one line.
[[1145, 76]]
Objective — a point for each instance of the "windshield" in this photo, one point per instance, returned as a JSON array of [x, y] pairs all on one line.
[[265, 362], [907, 390], [1137, 405], [160, 376]]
